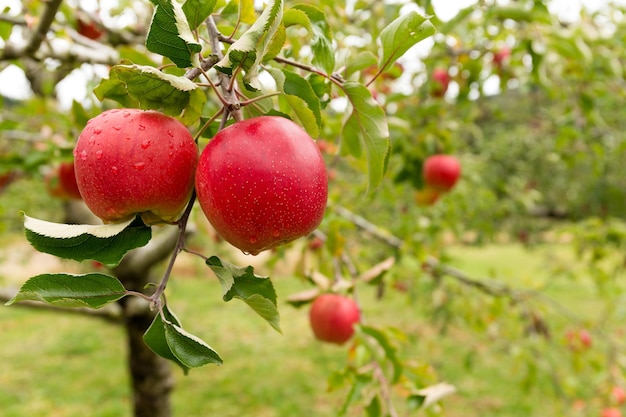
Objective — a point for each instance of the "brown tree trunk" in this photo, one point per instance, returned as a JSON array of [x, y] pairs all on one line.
[[151, 375]]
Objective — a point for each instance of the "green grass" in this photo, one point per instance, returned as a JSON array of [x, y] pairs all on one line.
[[67, 366]]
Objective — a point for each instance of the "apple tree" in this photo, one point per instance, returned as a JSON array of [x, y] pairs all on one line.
[[245, 113]]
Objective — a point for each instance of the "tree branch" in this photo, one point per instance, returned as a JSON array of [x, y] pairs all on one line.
[[37, 36], [234, 107]]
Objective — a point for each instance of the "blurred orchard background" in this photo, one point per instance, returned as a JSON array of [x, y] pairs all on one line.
[[507, 294]]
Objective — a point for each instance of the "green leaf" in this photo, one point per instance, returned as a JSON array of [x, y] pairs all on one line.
[[191, 351], [69, 290], [374, 408], [364, 59], [322, 42], [170, 35], [388, 348], [401, 34], [115, 89], [301, 98], [248, 51], [106, 244], [155, 339], [256, 291], [246, 11], [149, 88], [197, 11], [366, 123]]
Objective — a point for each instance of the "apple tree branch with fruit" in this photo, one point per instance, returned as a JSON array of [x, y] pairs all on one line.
[[260, 180], [229, 121]]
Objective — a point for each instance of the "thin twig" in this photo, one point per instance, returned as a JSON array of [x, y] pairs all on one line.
[[37, 36]]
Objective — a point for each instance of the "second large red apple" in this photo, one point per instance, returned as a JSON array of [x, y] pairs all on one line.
[[262, 182]]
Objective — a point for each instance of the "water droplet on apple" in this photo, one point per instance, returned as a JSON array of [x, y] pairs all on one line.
[[128, 138], [276, 233], [253, 240], [126, 113], [141, 127], [145, 144], [97, 130], [139, 165], [117, 128], [83, 155], [114, 169], [169, 132], [99, 154]]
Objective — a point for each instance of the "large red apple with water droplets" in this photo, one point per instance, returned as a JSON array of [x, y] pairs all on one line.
[[262, 182], [332, 318], [131, 161]]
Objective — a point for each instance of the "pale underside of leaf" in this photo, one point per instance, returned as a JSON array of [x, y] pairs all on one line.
[[66, 231]]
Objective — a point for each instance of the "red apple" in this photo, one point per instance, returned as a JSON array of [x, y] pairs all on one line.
[[578, 340], [316, 243], [6, 178], [500, 56], [441, 172], [61, 182], [332, 318], [441, 80], [618, 395], [130, 161], [611, 412], [261, 183], [89, 29], [427, 196]]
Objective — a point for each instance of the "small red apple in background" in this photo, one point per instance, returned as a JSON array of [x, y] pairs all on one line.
[[501, 55], [618, 395], [61, 182], [611, 412], [7, 178], [87, 27], [131, 161], [578, 340], [441, 172], [333, 317], [261, 183], [426, 196], [440, 83], [316, 243]]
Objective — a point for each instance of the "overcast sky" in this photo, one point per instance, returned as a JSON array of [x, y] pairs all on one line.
[[13, 84]]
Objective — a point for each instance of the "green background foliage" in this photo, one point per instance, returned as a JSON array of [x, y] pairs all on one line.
[[487, 290]]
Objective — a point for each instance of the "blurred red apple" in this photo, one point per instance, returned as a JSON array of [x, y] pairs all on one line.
[[332, 318], [61, 182], [440, 82], [441, 172]]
